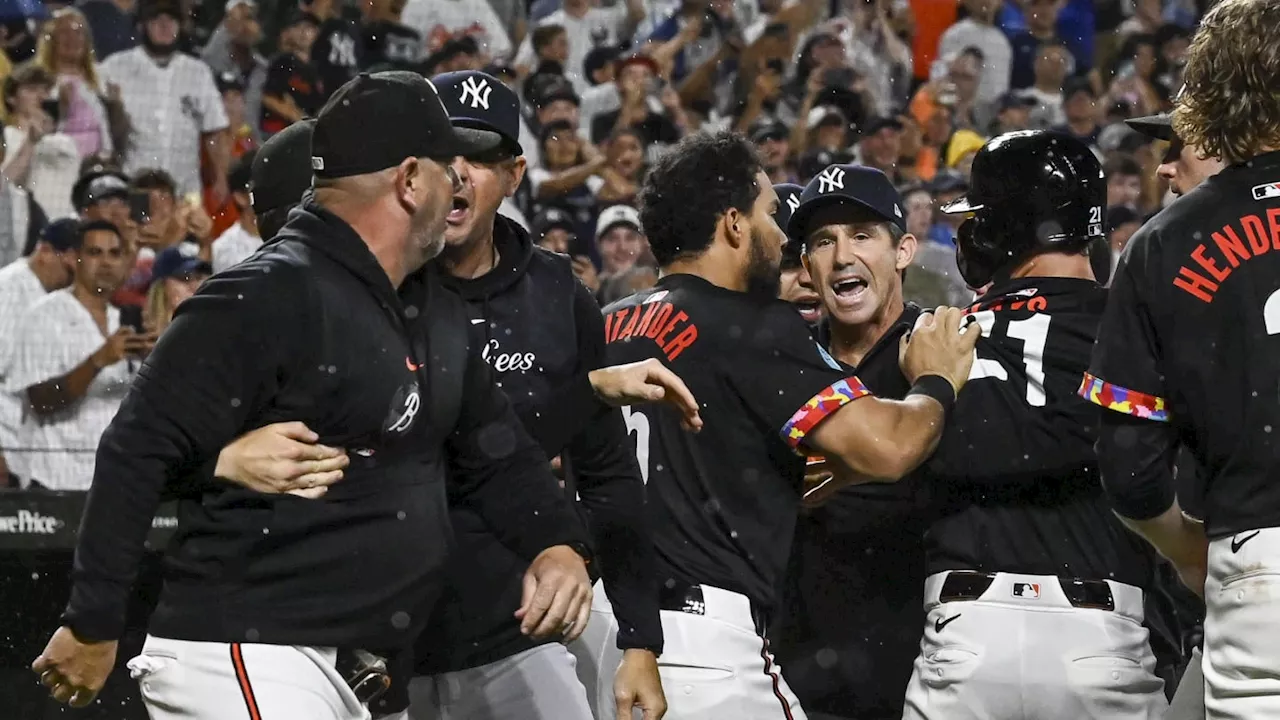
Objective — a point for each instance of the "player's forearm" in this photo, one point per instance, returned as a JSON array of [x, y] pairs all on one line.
[[627, 565], [134, 457], [1173, 535], [1136, 458], [567, 410], [880, 440], [513, 490], [613, 495]]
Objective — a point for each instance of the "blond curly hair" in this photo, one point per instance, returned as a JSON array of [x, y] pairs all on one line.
[[1229, 107]]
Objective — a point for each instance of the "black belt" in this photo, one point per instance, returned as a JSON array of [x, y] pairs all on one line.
[[962, 585], [678, 597], [366, 674]]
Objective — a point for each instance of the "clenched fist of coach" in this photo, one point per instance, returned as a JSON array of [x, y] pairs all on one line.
[[74, 670], [939, 344], [646, 381]]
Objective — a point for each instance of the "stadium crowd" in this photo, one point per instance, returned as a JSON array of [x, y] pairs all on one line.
[[130, 127], [146, 116]]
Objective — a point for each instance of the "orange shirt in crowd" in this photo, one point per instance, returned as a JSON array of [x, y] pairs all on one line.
[[933, 17], [225, 216]]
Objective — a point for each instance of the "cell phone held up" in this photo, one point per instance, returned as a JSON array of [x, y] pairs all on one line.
[[140, 206], [53, 109], [839, 78]]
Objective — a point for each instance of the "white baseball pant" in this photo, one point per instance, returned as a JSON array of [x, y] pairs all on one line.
[[1242, 619], [537, 684], [1188, 701], [1022, 651], [713, 665], [184, 680]]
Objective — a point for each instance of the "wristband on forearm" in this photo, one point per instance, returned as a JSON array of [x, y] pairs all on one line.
[[936, 387]]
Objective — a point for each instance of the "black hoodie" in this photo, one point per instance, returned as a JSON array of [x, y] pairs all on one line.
[[307, 329], [542, 332]]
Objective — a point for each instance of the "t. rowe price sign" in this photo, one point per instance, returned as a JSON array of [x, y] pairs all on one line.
[[39, 520]]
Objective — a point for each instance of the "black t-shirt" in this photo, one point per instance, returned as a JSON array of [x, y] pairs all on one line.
[[1015, 472], [390, 46], [852, 611], [336, 53], [1189, 338], [723, 502], [290, 76]]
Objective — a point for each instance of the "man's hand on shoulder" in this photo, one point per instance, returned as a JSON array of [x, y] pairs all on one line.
[[939, 344], [647, 381]]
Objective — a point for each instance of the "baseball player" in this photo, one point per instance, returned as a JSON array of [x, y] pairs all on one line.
[[1183, 166], [280, 174], [858, 560], [1034, 592], [795, 287], [541, 331], [723, 503], [271, 603], [502, 670], [1184, 354]]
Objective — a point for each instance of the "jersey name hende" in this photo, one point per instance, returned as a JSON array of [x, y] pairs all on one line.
[[1260, 236]]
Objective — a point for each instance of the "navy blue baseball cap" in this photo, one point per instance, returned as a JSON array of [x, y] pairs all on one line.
[[856, 186], [171, 262], [788, 201], [480, 101], [61, 234]]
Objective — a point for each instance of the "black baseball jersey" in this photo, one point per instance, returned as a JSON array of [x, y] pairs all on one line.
[[1015, 470], [1190, 345], [723, 502]]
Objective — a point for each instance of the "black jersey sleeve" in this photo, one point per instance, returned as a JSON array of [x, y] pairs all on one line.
[[231, 340], [786, 379], [1125, 373], [497, 470], [1137, 445], [612, 492], [572, 405]]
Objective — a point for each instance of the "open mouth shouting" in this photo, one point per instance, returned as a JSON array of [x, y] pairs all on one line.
[[809, 306], [849, 291], [458, 214]]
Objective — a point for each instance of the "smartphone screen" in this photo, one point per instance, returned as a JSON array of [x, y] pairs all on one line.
[[52, 108], [131, 316], [140, 207]]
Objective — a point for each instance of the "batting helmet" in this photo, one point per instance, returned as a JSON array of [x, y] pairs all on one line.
[[1031, 192]]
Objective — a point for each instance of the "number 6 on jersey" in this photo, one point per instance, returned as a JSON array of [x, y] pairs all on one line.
[[638, 424]]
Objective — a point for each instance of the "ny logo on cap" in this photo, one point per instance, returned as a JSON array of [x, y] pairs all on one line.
[[831, 179], [793, 202], [477, 89]]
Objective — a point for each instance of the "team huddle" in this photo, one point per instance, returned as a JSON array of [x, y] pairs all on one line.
[[385, 538]]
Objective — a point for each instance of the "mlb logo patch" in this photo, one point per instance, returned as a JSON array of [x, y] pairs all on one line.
[[1269, 190], [1030, 591]]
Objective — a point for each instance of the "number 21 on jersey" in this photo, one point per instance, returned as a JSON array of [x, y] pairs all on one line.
[[638, 425], [1033, 332]]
